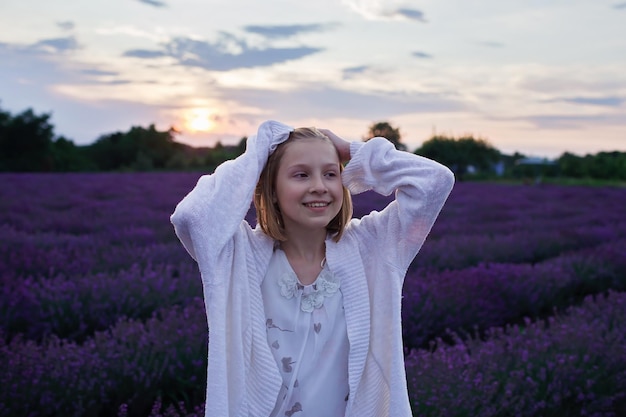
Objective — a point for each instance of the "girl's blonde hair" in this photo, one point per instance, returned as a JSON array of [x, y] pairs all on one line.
[[269, 216]]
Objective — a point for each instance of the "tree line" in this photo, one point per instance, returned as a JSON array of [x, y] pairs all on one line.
[[28, 144]]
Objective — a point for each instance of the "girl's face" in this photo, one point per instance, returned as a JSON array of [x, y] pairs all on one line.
[[308, 187]]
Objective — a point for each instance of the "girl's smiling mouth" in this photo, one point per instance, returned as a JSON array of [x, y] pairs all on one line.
[[317, 204]]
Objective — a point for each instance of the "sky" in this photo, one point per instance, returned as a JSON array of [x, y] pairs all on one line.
[[540, 77]]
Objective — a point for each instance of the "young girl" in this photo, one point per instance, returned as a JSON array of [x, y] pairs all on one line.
[[304, 309]]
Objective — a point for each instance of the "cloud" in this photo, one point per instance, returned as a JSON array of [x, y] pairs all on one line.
[[557, 121], [619, 6], [67, 25], [144, 54], [23, 69], [597, 101], [56, 45], [312, 101], [411, 14], [94, 77], [116, 82], [226, 54], [286, 31], [424, 55], [30, 69], [26, 81], [350, 72], [155, 3], [385, 10], [97, 72], [82, 120], [592, 82], [50, 46]]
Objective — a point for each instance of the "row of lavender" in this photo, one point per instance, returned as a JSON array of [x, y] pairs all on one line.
[[573, 364], [75, 224], [491, 294], [84, 252], [99, 247]]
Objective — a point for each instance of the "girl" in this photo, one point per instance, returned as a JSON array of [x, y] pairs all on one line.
[[304, 309]]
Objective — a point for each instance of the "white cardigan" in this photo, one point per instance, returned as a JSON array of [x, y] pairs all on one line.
[[371, 260]]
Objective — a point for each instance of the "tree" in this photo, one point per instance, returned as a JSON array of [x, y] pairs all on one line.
[[572, 165], [25, 141], [220, 153], [138, 149], [385, 130], [461, 154], [66, 157], [603, 165], [608, 165]]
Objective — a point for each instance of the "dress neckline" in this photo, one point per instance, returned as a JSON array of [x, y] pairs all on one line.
[[285, 260], [311, 296]]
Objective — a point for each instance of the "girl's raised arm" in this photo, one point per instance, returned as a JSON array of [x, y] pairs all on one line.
[[421, 188], [209, 216]]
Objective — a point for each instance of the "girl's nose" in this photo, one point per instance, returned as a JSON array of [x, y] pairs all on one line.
[[318, 185]]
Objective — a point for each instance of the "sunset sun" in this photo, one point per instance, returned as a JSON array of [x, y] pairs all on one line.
[[199, 120]]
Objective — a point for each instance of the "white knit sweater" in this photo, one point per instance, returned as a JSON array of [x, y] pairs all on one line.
[[371, 260]]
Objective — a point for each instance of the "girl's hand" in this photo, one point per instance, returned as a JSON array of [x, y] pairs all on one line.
[[342, 145]]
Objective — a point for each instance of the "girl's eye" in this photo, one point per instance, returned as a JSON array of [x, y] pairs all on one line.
[[331, 174], [300, 175]]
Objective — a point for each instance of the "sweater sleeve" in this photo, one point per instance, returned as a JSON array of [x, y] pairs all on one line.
[[208, 217], [421, 187]]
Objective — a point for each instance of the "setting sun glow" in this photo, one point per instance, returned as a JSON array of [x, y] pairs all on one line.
[[199, 120]]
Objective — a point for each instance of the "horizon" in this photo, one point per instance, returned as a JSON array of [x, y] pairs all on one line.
[[538, 79]]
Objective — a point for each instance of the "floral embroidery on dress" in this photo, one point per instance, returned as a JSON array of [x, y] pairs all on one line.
[[269, 323], [312, 296], [296, 407], [287, 362]]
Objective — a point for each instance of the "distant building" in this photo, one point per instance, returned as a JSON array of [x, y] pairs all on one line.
[[499, 168], [533, 160]]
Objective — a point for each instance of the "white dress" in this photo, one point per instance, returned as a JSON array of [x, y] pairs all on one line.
[[306, 331]]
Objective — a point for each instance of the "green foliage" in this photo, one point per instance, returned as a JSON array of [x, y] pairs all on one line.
[[571, 165], [25, 141], [603, 165], [67, 157], [385, 130], [139, 149], [142, 149], [532, 169], [28, 144], [461, 155], [221, 153]]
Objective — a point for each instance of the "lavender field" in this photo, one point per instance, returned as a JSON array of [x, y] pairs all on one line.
[[515, 306]]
